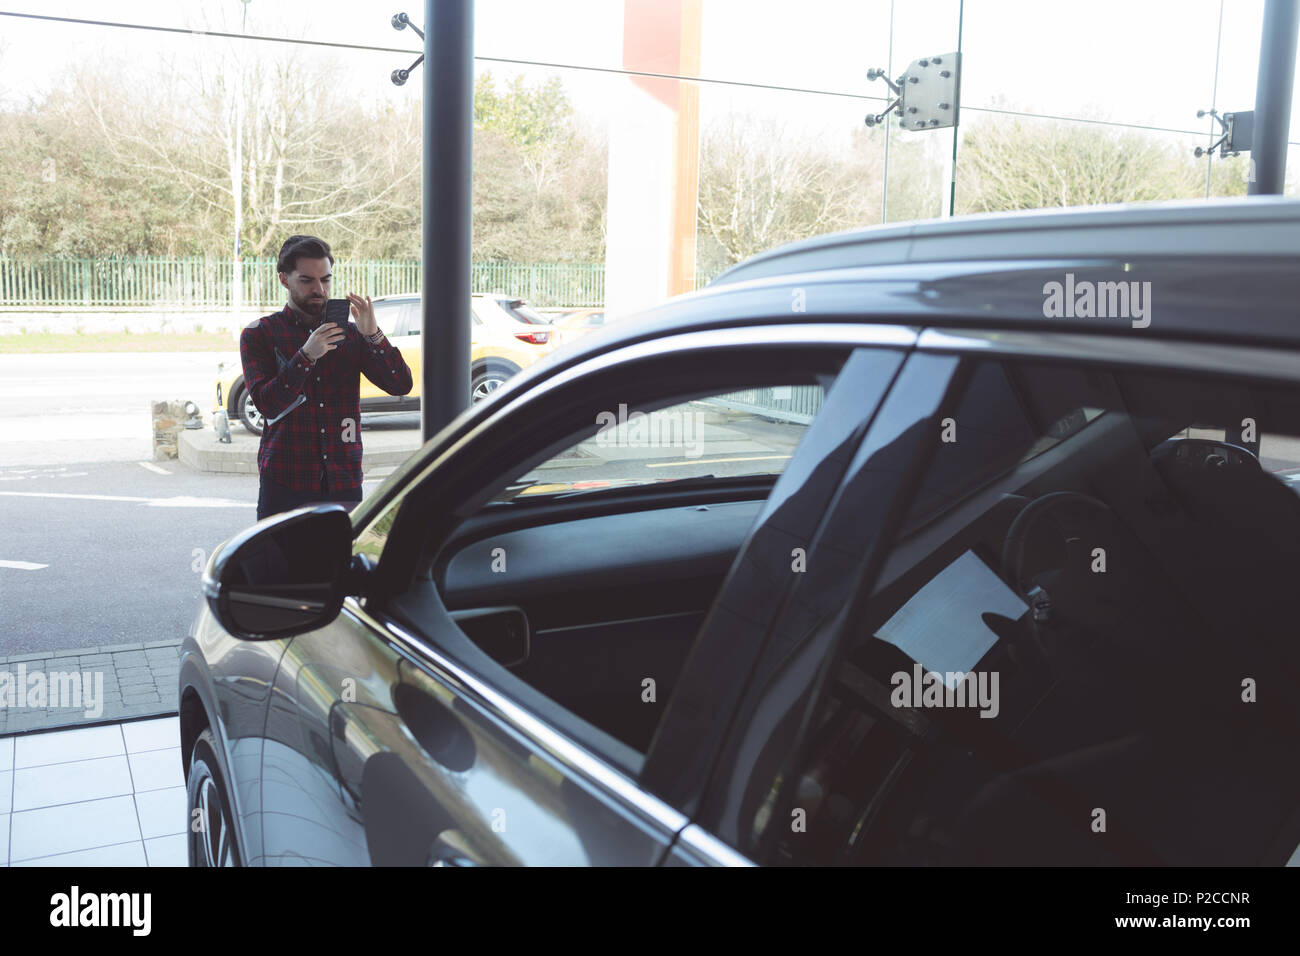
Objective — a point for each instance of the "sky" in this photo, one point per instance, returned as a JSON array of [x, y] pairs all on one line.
[[1135, 61]]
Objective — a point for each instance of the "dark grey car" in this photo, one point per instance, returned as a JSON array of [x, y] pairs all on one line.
[[979, 546]]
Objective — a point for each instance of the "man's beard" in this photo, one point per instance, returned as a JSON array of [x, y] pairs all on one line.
[[313, 310]]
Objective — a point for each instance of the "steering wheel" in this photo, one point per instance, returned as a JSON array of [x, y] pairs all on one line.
[[1043, 648], [1013, 546]]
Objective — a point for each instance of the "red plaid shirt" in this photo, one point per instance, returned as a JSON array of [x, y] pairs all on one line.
[[306, 407]]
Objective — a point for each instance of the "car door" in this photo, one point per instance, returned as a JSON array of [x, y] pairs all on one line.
[[801, 598], [397, 736], [1089, 679]]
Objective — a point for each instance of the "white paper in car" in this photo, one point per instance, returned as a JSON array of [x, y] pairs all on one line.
[[941, 625]]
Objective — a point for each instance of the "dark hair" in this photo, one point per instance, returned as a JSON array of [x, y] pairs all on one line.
[[302, 247]]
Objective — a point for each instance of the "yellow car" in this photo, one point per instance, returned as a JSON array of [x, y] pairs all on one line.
[[575, 324], [506, 335]]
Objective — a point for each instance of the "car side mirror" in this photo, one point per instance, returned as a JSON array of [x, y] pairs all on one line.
[[285, 575]]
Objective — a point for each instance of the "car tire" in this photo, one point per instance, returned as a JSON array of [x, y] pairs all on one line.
[[486, 381], [241, 404], [215, 843]]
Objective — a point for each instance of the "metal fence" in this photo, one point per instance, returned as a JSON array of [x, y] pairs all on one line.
[[787, 403], [206, 283]]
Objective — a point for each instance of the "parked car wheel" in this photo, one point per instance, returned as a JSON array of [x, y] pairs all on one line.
[[486, 381], [213, 843], [242, 404]]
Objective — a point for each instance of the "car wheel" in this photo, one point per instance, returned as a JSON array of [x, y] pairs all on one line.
[[212, 839], [242, 401], [486, 382]]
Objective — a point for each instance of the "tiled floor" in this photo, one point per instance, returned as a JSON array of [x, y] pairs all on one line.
[[94, 796]]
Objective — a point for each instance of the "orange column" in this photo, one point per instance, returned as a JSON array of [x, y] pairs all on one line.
[[663, 36], [686, 155]]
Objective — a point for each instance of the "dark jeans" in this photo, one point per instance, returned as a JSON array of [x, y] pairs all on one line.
[[273, 498]]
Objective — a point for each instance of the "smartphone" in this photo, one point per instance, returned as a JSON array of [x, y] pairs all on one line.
[[337, 310]]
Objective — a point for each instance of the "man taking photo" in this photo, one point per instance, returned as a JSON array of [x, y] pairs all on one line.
[[303, 374]]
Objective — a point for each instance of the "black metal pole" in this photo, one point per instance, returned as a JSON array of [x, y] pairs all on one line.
[[447, 178], [1277, 44]]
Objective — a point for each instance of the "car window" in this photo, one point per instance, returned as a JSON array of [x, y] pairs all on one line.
[[1009, 416], [410, 318], [388, 315], [715, 438], [1074, 642]]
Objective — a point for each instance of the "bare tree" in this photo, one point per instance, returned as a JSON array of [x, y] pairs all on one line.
[[1006, 164], [761, 186], [311, 160]]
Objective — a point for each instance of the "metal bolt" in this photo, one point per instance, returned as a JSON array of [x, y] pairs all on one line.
[[934, 122], [923, 62], [943, 106], [911, 109], [912, 79], [945, 73], [938, 59]]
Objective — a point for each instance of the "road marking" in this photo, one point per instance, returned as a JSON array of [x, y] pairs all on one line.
[[22, 565], [55, 494], [710, 461], [177, 501], [152, 467], [183, 501], [58, 473]]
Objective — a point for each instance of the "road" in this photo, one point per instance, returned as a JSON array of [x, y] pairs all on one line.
[[83, 407], [95, 547]]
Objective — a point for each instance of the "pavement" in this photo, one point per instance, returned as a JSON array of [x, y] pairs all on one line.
[[199, 449], [118, 682]]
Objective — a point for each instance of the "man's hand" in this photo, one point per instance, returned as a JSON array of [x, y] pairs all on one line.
[[325, 338], [363, 310]]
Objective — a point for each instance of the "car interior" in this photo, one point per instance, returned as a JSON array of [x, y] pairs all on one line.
[[645, 580], [1130, 587], [606, 589]]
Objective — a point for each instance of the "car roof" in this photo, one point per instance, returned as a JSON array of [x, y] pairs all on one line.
[[1225, 270], [1250, 226]]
